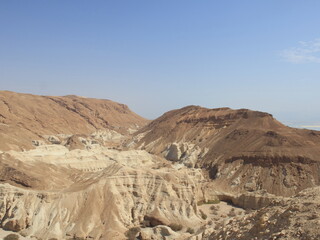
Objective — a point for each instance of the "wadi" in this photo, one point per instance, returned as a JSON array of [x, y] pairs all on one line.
[[73, 167]]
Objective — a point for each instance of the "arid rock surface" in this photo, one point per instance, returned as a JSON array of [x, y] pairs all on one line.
[[79, 168], [242, 150], [26, 117], [99, 192], [287, 218]]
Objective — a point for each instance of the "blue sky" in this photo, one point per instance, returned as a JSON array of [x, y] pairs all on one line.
[[160, 55]]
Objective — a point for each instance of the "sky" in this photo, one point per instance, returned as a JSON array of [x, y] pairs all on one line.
[[156, 56]]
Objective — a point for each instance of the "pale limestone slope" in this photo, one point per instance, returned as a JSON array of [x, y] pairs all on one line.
[[93, 202]]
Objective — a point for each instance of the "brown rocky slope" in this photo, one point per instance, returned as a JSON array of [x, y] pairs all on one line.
[[90, 178], [242, 150], [26, 117]]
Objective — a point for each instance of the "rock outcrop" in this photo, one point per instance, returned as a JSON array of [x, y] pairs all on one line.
[[291, 218], [51, 192], [242, 150], [79, 168]]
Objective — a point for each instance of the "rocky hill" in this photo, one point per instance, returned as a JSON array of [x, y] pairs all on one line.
[[26, 117], [242, 150], [92, 169]]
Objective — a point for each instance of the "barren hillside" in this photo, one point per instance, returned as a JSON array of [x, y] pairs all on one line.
[[243, 150], [92, 169], [26, 117]]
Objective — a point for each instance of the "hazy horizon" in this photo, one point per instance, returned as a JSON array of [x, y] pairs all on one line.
[[159, 56], [297, 124]]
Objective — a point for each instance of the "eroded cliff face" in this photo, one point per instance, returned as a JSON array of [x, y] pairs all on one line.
[[242, 150], [87, 170], [101, 199]]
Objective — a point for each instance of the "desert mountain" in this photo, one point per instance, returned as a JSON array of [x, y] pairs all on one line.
[[26, 117], [242, 150], [92, 169]]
